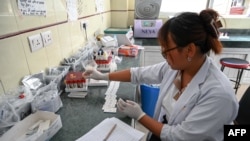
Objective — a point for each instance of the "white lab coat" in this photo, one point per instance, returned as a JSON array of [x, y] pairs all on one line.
[[204, 107]]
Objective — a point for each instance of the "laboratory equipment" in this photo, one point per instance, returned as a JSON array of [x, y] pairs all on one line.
[[75, 82], [146, 23]]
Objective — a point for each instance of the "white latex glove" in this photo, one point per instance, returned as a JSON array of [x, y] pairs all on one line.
[[95, 74], [130, 108]]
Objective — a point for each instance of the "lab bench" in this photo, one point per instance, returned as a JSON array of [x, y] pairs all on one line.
[[79, 115]]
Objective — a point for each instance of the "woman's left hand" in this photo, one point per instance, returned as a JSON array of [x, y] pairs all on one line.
[[130, 108]]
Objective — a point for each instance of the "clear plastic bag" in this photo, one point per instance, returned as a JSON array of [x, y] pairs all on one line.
[[8, 116], [20, 99], [35, 81], [47, 99]]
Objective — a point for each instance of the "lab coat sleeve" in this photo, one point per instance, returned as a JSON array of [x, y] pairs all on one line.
[[149, 74], [204, 119]]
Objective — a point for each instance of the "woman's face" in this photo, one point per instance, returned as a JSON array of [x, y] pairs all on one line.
[[175, 56]]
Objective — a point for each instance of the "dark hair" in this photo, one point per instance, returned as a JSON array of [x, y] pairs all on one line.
[[189, 27]]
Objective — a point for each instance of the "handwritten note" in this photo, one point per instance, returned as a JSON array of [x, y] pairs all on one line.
[[32, 7], [99, 6], [72, 10]]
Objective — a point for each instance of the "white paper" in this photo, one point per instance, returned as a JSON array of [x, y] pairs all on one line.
[[32, 7], [99, 6], [122, 132], [72, 10]]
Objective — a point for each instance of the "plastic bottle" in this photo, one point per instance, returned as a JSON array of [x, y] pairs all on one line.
[[131, 33], [116, 41]]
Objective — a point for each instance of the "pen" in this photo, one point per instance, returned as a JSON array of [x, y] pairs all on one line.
[[109, 133]]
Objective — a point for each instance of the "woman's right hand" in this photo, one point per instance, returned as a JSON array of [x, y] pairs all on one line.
[[95, 74]]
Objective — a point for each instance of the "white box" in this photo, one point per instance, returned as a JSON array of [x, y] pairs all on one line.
[[123, 36], [147, 28], [108, 41], [17, 132]]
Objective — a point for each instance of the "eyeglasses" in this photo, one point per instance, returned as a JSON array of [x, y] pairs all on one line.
[[164, 52]]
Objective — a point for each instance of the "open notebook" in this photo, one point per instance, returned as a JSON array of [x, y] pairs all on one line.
[[122, 132]]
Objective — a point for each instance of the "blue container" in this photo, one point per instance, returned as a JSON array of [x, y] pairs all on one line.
[[149, 96]]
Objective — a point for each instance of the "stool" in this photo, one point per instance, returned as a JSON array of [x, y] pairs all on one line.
[[235, 63]]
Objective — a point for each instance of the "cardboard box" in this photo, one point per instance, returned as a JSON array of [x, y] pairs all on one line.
[[128, 50], [18, 131]]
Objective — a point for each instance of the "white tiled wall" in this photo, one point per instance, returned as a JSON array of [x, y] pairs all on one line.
[[16, 58], [7, 18]]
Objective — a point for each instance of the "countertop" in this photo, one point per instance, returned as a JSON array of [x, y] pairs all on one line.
[[234, 41], [235, 38], [81, 115]]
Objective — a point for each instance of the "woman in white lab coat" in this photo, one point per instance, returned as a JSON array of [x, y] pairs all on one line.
[[196, 99]]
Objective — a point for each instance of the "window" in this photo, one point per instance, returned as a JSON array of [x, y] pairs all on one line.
[[230, 7], [170, 7], [224, 7]]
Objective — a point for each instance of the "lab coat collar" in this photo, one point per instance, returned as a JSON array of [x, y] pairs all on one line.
[[191, 90]]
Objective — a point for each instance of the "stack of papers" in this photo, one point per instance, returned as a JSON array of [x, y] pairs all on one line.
[[122, 132]]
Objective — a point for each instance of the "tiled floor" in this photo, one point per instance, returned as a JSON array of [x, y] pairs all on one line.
[[239, 94], [241, 90]]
